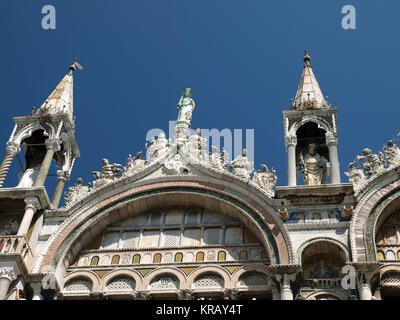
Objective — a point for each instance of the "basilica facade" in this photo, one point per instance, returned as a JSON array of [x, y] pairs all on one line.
[[181, 221]]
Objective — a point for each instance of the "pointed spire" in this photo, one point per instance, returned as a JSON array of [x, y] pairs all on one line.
[[309, 94], [61, 99]]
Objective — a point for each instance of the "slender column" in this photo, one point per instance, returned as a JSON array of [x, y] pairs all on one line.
[[52, 145], [275, 294], [62, 178], [291, 142], [285, 280], [37, 288], [32, 204], [333, 157], [7, 275], [12, 151], [364, 285]]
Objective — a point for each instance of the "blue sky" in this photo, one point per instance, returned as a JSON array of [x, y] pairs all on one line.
[[243, 59]]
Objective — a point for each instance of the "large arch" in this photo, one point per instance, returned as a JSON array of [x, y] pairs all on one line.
[[113, 204], [379, 197]]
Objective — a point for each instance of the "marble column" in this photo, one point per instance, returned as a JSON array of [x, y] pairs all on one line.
[[37, 289], [364, 285], [53, 145], [32, 204], [285, 281], [7, 275], [333, 157], [275, 294], [62, 178], [291, 142], [12, 151]]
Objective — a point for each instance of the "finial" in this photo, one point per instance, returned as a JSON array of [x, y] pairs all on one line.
[[73, 66], [306, 58]]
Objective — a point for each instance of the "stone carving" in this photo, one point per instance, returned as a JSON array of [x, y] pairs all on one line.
[[373, 163], [265, 179], [392, 153], [218, 160], [196, 146], [108, 173], [314, 167], [186, 106], [175, 166], [356, 176], [76, 192], [157, 148], [135, 164], [241, 166]]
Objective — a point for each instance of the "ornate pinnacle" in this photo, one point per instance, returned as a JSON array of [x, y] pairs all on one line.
[[306, 58]]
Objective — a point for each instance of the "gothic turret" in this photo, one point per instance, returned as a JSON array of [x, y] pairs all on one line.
[[310, 128]]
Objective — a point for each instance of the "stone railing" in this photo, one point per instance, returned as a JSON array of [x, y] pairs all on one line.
[[102, 257], [16, 245]]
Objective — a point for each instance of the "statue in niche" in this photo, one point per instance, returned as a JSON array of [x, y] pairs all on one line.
[[265, 179], [157, 147], [392, 153], [314, 167], [241, 166], [135, 164], [108, 173], [356, 176], [196, 145], [76, 192], [373, 163], [186, 106]]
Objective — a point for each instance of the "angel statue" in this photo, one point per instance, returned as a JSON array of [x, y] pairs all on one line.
[[356, 175], [135, 164], [265, 179], [157, 147], [216, 159], [373, 163], [392, 153], [108, 173], [186, 106], [241, 166]]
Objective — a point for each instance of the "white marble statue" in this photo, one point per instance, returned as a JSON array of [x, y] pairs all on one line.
[[218, 160], [135, 164], [196, 146], [265, 179], [241, 166], [76, 192], [356, 176], [313, 166], [392, 153], [157, 148], [373, 163], [108, 173], [186, 106], [175, 165]]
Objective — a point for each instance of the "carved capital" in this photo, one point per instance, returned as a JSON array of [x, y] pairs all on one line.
[[32, 202], [12, 148], [8, 272], [331, 139], [143, 295], [232, 294], [53, 143], [290, 140], [62, 175], [284, 214], [185, 294]]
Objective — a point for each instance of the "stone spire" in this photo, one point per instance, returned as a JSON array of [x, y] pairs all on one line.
[[61, 99], [308, 95]]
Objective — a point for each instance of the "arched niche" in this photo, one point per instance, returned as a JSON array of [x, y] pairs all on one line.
[[87, 223], [322, 260], [311, 132]]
